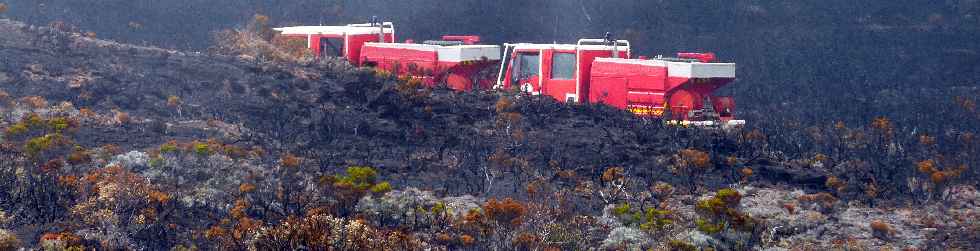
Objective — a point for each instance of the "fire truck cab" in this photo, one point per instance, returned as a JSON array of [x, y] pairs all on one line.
[[561, 71]]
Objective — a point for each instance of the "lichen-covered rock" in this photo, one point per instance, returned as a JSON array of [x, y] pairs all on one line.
[[788, 225], [131, 159], [609, 217], [699, 240], [627, 238], [414, 207]]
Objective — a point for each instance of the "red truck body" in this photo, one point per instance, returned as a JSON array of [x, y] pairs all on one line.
[[656, 86], [454, 60]]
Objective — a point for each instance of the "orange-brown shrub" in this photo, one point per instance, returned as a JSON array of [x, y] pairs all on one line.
[[158, 196], [504, 104], [883, 125], [122, 117], [64, 240], [472, 217], [824, 199], [467, 240], [112, 149], [820, 157], [290, 160], [695, 158], [4, 96], [567, 174], [173, 101], [507, 211], [612, 173], [35, 102], [526, 241], [86, 113], [52, 165], [881, 229], [215, 232], [790, 207], [941, 177], [79, 156], [834, 183], [68, 180], [444, 238], [927, 166], [246, 187], [746, 171]]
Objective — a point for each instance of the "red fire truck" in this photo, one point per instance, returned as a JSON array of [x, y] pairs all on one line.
[[602, 71], [455, 60], [590, 71]]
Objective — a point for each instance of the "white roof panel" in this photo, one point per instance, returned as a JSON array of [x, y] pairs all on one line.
[[351, 29], [525, 46]]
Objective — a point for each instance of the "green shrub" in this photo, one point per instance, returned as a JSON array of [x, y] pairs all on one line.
[[381, 188], [730, 196], [680, 245], [169, 147], [650, 220], [621, 209], [656, 219], [35, 146], [438, 208], [16, 129], [719, 212], [202, 149], [358, 177], [708, 227], [156, 162], [59, 124]]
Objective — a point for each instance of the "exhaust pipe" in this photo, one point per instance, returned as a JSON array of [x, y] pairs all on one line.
[[381, 28]]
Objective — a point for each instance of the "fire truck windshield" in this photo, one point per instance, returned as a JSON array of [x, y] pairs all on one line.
[[526, 66]]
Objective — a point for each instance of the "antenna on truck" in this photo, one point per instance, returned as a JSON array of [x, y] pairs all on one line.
[[555, 36], [612, 42], [381, 27]]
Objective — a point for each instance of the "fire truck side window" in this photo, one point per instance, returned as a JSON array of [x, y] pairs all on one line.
[[527, 65], [563, 66], [331, 47]]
